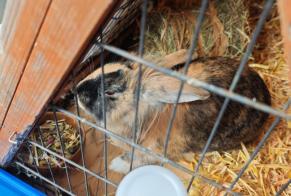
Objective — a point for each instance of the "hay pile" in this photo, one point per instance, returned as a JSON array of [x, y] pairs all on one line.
[[223, 31], [226, 32]]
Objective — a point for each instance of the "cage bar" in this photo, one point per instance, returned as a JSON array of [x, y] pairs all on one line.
[[102, 34]]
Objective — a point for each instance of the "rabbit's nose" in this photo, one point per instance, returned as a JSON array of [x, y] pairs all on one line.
[[85, 86], [84, 99], [86, 90]]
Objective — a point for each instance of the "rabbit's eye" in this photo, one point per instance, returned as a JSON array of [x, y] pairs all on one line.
[[109, 93]]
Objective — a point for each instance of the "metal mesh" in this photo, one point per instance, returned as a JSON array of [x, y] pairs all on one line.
[[126, 13]]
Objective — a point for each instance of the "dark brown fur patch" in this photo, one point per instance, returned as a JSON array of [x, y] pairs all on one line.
[[240, 123]]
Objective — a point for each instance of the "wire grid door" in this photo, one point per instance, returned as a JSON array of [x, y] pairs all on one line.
[[228, 94]]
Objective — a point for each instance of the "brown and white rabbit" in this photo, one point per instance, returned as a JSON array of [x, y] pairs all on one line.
[[196, 112]]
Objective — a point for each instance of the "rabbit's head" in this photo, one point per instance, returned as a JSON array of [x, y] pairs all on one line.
[[120, 86]]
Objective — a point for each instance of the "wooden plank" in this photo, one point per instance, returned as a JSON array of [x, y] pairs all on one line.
[[21, 24], [285, 17], [67, 28]]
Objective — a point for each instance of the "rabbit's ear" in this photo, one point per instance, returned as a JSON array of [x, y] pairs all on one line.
[[162, 88], [175, 58]]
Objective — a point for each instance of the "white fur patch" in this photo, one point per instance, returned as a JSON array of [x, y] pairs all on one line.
[[119, 165]]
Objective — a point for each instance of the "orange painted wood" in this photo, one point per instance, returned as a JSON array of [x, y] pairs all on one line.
[[21, 23], [66, 30], [285, 16]]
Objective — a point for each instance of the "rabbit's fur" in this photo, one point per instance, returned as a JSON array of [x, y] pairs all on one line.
[[196, 112]]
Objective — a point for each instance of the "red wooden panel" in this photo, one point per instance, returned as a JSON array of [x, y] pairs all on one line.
[[21, 24], [65, 32], [285, 16]]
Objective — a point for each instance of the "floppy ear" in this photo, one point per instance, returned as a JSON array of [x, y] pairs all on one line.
[[175, 58], [168, 61], [162, 88]]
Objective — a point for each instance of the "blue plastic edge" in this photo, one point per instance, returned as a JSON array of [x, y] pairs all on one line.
[[17, 186]]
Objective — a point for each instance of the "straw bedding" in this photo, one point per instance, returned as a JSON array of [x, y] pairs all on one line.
[[226, 31]]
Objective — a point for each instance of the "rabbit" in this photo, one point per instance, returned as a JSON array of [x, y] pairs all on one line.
[[197, 108]]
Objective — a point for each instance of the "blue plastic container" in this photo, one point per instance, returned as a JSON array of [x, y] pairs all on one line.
[[12, 186]]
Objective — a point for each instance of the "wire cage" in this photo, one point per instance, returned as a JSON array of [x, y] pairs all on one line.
[[73, 177]]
